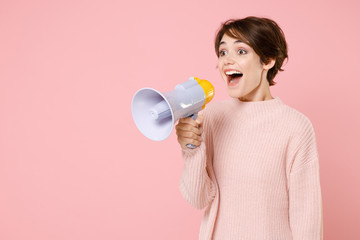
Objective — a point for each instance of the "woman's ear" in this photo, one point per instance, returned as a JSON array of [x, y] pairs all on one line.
[[269, 65]]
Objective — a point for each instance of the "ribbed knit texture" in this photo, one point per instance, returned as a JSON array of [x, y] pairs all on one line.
[[256, 173]]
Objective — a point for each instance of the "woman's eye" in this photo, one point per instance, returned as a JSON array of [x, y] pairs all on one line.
[[222, 53], [241, 51]]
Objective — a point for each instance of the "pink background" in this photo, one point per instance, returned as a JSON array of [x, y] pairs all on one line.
[[72, 163]]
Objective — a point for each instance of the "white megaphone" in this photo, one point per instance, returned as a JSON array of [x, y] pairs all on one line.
[[155, 113]]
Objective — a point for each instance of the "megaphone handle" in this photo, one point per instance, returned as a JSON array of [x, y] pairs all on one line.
[[193, 116]]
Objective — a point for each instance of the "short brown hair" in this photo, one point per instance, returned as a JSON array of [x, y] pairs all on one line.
[[263, 35]]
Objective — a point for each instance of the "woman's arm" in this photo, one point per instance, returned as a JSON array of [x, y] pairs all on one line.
[[195, 184], [305, 201]]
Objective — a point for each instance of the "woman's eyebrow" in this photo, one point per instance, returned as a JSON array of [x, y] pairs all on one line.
[[237, 41]]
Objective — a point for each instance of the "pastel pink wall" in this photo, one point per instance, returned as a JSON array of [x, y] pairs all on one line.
[[72, 163]]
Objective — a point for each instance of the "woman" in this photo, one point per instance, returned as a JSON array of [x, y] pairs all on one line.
[[256, 167]]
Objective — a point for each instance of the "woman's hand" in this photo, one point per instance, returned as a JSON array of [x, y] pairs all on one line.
[[189, 131]]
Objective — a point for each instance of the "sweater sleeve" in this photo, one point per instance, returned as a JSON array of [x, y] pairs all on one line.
[[196, 186], [305, 201]]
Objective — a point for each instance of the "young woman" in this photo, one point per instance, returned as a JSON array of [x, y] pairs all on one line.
[[256, 167]]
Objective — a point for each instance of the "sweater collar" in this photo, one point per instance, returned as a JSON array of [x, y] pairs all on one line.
[[257, 108]]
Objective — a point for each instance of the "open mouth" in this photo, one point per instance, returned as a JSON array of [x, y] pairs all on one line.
[[233, 77]]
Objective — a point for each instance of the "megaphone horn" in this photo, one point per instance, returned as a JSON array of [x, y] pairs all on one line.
[[155, 113]]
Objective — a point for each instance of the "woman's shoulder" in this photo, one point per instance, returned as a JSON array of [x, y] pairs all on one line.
[[299, 120]]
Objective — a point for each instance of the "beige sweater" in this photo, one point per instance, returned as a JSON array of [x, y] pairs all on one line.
[[256, 173]]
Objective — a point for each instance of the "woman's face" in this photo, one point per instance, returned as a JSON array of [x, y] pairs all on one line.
[[241, 69]]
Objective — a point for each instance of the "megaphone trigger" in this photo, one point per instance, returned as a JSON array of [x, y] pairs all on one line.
[[194, 116]]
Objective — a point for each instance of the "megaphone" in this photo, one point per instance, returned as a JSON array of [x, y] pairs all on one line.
[[155, 113]]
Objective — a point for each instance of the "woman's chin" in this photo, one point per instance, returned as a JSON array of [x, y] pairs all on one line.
[[234, 94]]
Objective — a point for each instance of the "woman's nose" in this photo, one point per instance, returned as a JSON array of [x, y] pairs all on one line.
[[229, 60]]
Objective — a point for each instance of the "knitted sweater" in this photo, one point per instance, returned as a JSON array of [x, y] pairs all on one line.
[[256, 173]]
